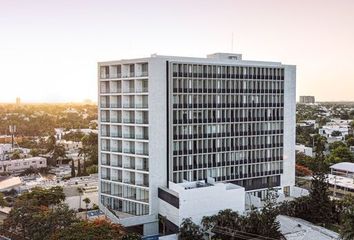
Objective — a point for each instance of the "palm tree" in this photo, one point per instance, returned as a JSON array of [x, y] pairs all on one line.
[[83, 151], [51, 142], [81, 191], [58, 152], [3, 202], [87, 202]]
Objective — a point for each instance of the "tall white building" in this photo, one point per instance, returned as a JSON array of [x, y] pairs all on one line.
[[168, 120]]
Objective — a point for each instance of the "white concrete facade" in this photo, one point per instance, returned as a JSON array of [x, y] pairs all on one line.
[[198, 199], [19, 165], [173, 119], [303, 149]]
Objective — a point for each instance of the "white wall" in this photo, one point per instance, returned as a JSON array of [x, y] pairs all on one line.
[[205, 201], [288, 177]]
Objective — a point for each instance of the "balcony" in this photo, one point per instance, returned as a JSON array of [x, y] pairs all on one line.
[[128, 120], [141, 105], [116, 105], [104, 75], [116, 149], [128, 105], [129, 166], [129, 90], [143, 184], [142, 136], [142, 152], [129, 181], [104, 105], [142, 121], [129, 135], [105, 148], [115, 120], [116, 134], [129, 150], [116, 75]]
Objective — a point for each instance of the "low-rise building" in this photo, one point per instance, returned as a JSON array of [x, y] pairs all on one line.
[[198, 199], [341, 127], [303, 149], [9, 182], [19, 165], [341, 179], [299, 229]]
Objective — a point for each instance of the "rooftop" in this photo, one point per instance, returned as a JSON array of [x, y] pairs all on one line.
[[344, 166], [299, 229]]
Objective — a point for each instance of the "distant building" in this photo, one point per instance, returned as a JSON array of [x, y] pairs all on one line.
[[19, 165], [303, 149], [18, 101], [351, 149], [336, 125], [307, 99], [341, 179], [308, 123], [8, 182]]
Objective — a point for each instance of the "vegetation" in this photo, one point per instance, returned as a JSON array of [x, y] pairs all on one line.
[[190, 231], [228, 224], [41, 119], [41, 214]]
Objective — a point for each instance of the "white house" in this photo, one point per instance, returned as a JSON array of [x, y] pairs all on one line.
[[19, 165], [303, 149]]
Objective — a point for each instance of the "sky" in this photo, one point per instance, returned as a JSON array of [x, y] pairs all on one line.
[[49, 49]]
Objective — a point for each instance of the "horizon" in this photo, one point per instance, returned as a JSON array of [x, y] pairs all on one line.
[[50, 50]]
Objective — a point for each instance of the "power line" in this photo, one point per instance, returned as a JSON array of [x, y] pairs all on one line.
[[239, 233]]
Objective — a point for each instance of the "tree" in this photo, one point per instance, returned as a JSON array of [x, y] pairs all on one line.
[[58, 153], [16, 155], [90, 142], [347, 220], [50, 144], [190, 231], [3, 202], [336, 134], [73, 173], [92, 169], [36, 214], [98, 229], [228, 224], [80, 191], [319, 197], [350, 141], [83, 151], [341, 154], [336, 144], [34, 152], [44, 197], [87, 202], [302, 171]]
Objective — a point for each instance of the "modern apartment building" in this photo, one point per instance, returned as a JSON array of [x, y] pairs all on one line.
[[307, 99], [168, 120]]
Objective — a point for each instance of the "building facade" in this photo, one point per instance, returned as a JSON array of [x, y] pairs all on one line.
[[307, 99], [168, 119]]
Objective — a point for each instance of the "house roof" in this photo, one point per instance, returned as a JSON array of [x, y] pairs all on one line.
[[344, 166]]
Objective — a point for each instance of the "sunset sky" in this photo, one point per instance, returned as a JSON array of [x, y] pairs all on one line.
[[49, 49]]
